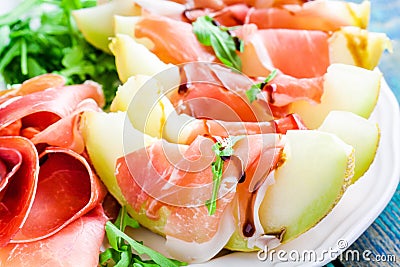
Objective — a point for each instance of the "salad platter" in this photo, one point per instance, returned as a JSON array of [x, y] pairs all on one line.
[[173, 133]]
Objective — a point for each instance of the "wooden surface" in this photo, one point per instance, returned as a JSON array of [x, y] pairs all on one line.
[[381, 241]]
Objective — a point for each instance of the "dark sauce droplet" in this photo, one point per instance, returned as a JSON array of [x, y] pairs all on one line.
[[188, 13], [242, 178], [225, 158], [215, 23], [237, 42], [270, 89], [248, 227], [184, 86]]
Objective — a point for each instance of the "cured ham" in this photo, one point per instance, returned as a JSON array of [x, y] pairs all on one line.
[[224, 94], [46, 111], [65, 132], [319, 15], [217, 4], [35, 84], [263, 51], [78, 244], [314, 15], [18, 182], [40, 109], [48, 192], [202, 114], [308, 51], [173, 182], [160, 30], [65, 180]]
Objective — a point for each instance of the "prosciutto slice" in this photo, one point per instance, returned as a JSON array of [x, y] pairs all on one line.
[[40, 109], [216, 92], [318, 15], [48, 194], [32, 85], [313, 15], [78, 244], [19, 172], [65, 132], [67, 188], [178, 178], [266, 49], [170, 48]]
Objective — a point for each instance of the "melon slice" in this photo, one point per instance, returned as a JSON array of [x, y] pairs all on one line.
[[358, 132], [317, 169], [96, 23], [347, 88]]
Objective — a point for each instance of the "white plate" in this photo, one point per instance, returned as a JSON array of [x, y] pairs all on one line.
[[359, 207]]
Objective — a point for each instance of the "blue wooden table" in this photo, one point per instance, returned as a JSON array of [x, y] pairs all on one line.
[[382, 238]]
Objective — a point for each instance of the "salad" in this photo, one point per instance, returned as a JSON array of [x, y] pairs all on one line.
[[219, 125]]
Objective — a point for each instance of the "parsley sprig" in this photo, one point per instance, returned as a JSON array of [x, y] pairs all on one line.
[[255, 89], [120, 253], [223, 148], [209, 33], [40, 36]]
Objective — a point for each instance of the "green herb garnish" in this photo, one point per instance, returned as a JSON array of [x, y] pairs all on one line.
[[255, 89], [222, 149], [224, 45], [40, 36], [120, 253]]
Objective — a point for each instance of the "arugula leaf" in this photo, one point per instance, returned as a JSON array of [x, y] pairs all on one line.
[[120, 253], [210, 34], [222, 148], [255, 89], [40, 36]]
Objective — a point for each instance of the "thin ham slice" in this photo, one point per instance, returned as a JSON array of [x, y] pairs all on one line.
[[67, 189], [174, 41], [36, 84], [18, 183], [42, 108], [78, 244], [179, 178], [318, 15], [218, 4], [314, 15], [65, 132], [48, 201], [213, 91], [298, 53]]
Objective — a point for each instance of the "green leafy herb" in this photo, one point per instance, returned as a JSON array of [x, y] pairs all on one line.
[[40, 36], [224, 45], [222, 149], [120, 253], [255, 89]]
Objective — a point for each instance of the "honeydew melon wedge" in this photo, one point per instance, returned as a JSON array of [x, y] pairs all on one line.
[[355, 46], [150, 111], [104, 135], [347, 88], [147, 108], [96, 23], [104, 138], [358, 132], [132, 58], [318, 167]]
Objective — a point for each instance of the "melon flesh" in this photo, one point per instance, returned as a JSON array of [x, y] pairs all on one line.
[[318, 167], [346, 88], [358, 132]]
